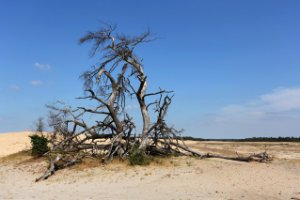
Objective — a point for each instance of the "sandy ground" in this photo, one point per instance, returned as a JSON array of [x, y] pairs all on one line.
[[169, 179]]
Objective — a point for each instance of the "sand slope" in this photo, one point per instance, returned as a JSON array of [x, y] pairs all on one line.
[[13, 142]]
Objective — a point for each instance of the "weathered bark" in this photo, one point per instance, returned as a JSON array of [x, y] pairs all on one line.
[[260, 157], [145, 114]]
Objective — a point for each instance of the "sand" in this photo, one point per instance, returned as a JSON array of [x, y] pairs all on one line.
[[174, 178], [14, 142]]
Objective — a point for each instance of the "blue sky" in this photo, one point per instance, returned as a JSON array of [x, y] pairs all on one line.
[[234, 65]]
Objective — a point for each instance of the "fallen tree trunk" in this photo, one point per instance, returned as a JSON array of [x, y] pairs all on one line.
[[260, 157]]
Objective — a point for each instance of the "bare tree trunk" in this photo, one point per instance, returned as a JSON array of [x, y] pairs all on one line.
[[145, 114]]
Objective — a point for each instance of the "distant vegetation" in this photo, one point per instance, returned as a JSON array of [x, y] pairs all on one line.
[[253, 139]]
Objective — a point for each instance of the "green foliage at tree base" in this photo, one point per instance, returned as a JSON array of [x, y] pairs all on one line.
[[39, 145], [138, 157]]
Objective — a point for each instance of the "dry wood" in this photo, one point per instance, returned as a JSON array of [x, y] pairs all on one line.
[[118, 77]]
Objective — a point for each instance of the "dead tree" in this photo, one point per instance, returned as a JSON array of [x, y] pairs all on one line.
[[118, 77]]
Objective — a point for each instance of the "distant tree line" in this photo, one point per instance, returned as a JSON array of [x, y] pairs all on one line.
[[253, 139]]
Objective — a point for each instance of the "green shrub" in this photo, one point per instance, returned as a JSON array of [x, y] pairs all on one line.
[[39, 145], [138, 157]]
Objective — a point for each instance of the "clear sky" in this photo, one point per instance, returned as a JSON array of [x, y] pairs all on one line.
[[234, 65]]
